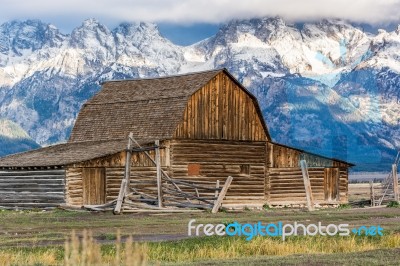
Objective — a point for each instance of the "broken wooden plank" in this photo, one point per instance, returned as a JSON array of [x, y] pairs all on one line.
[[307, 185], [222, 194]]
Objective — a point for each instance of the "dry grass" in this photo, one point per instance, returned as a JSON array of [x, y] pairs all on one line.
[[79, 251], [84, 250], [227, 247], [13, 257]]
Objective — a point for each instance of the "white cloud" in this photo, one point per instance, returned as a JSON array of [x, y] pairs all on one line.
[[212, 11]]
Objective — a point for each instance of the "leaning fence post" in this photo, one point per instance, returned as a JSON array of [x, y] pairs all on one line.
[[395, 183], [221, 195], [372, 192], [158, 166], [307, 185], [125, 184]]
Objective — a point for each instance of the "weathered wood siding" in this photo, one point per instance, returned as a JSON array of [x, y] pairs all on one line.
[[94, 189], [286, 186], [281, 156], [74, 186], [284, 181], [221, 110], [219, 159], [32, 188], [143, 174]]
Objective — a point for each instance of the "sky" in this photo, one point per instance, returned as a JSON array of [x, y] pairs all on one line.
[[186, 21]]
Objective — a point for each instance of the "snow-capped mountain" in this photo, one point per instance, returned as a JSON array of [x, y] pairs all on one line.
[[326, 86]]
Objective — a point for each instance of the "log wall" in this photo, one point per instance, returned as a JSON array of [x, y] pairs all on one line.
[[74, 186], [244, 161], [143, 174], [221, 110], [285, 186], [262, 172], [32, 188]]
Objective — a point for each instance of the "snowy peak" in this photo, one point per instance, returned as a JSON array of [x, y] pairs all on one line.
[[142, 45], [20, 37], [385, 48], [91, 34]]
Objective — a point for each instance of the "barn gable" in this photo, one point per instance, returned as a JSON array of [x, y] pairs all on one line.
[[164, 108], [222, 109]]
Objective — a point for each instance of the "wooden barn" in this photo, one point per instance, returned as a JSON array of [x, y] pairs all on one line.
[[206, 127]]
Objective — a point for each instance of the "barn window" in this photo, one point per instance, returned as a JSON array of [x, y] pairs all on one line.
[[245, 169], [193, 169]]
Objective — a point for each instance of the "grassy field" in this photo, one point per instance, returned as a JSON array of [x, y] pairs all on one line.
[[42, 235], [371, 258]]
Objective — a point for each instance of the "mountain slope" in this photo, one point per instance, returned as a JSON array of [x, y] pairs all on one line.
[[326, 86], [14, 139]]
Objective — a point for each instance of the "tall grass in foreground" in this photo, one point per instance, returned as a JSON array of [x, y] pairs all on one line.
[[88, 252], [233, 247], [85, 250]]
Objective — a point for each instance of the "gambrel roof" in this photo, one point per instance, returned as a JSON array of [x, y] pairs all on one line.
[[151, 108]]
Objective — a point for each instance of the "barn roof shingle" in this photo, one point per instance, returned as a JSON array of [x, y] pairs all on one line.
[[66, 153], [150, 108]]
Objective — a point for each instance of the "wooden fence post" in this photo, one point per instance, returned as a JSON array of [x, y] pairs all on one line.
[[395, 182], [128, 164], [125, 184], [336, 171], [159, 181], [222, 194], [216, 190], [372, 191], [307, 185]]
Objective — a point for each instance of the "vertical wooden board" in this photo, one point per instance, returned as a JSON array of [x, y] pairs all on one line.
[[244, 116], [337, 184], [220, 108], [206, 111], [102, 174], [326, 181], [247, 117], [231, 110], [235, 115], [332, 185], [194, 111], [186, 123], [94, 185], [192, 118], [225, 111], [241, 114], [85, 185], [200, 115], [254, 118]]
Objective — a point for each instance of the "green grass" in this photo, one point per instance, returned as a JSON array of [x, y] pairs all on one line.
[[372, 258], [199, 251], [218, 248], [35, 228], [393, 204], [37, 237]]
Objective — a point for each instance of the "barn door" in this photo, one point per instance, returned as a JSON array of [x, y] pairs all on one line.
[[331, 184], [94, 180]]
